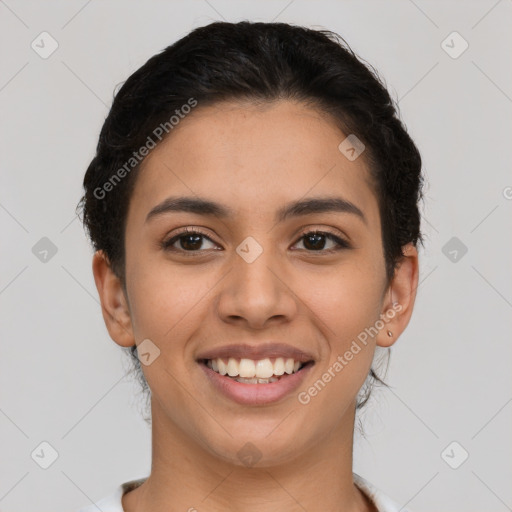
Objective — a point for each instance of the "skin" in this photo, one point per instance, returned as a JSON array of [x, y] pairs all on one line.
[[253, 159]]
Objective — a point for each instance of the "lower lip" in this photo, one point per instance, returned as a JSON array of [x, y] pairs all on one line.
[[256, 394]]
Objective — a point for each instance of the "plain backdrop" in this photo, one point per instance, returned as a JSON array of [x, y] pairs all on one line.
[[439, 439]]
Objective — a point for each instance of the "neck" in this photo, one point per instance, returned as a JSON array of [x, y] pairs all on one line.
[[187, 477]]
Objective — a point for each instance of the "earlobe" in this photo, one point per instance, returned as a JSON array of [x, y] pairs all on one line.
[[400, 298], [114, 305]]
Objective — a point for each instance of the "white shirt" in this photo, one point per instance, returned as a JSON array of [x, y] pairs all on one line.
[[112, 503]]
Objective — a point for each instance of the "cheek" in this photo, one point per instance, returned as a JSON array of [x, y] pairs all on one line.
[[156, 306], [347, 298], [347, 314], [165, 302], [348, 305], [166, 308]]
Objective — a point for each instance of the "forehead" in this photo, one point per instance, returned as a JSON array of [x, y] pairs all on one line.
[[247, 156]]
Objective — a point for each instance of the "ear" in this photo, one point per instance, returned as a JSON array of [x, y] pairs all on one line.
[[114, 305], [400, 297]]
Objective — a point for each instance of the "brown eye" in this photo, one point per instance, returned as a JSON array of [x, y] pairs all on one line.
[[189, 240], [314, 241]]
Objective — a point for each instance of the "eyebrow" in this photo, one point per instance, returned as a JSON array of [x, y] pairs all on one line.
[[298, 208]]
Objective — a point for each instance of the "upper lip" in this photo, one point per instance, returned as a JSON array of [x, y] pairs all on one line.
[[257, 352]]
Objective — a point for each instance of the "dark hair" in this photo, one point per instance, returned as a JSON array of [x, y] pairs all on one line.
[[255, 62]]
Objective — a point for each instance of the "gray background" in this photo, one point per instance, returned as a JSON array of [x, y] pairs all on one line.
[[62, 380]]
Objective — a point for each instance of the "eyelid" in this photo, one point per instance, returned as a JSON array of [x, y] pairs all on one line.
[[186, 231], [324, 230], [342, 241]]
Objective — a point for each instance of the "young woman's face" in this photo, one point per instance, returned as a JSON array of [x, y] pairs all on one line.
[[252, 279]]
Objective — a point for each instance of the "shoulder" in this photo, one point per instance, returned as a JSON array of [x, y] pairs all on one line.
[[112, 502], [382, 502]]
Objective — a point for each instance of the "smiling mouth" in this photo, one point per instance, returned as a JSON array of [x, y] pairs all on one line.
[[249, 371]]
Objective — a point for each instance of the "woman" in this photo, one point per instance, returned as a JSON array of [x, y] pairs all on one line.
[[253, 205]]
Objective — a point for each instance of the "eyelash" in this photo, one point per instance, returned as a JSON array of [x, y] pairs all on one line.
[[166, 245]]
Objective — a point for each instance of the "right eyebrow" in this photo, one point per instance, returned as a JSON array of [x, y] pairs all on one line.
[[192, 205]]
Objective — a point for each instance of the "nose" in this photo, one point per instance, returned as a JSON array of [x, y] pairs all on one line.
[[257, 293]]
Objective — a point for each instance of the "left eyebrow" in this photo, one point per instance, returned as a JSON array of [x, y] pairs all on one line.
[[319, 205], [298, 208]]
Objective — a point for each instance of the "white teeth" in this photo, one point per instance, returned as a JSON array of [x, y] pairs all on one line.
[[279, 366], [264, 369], [232, 367], [247, 381], [256, 381], [222, 366], [259, 371], [247, 368]]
